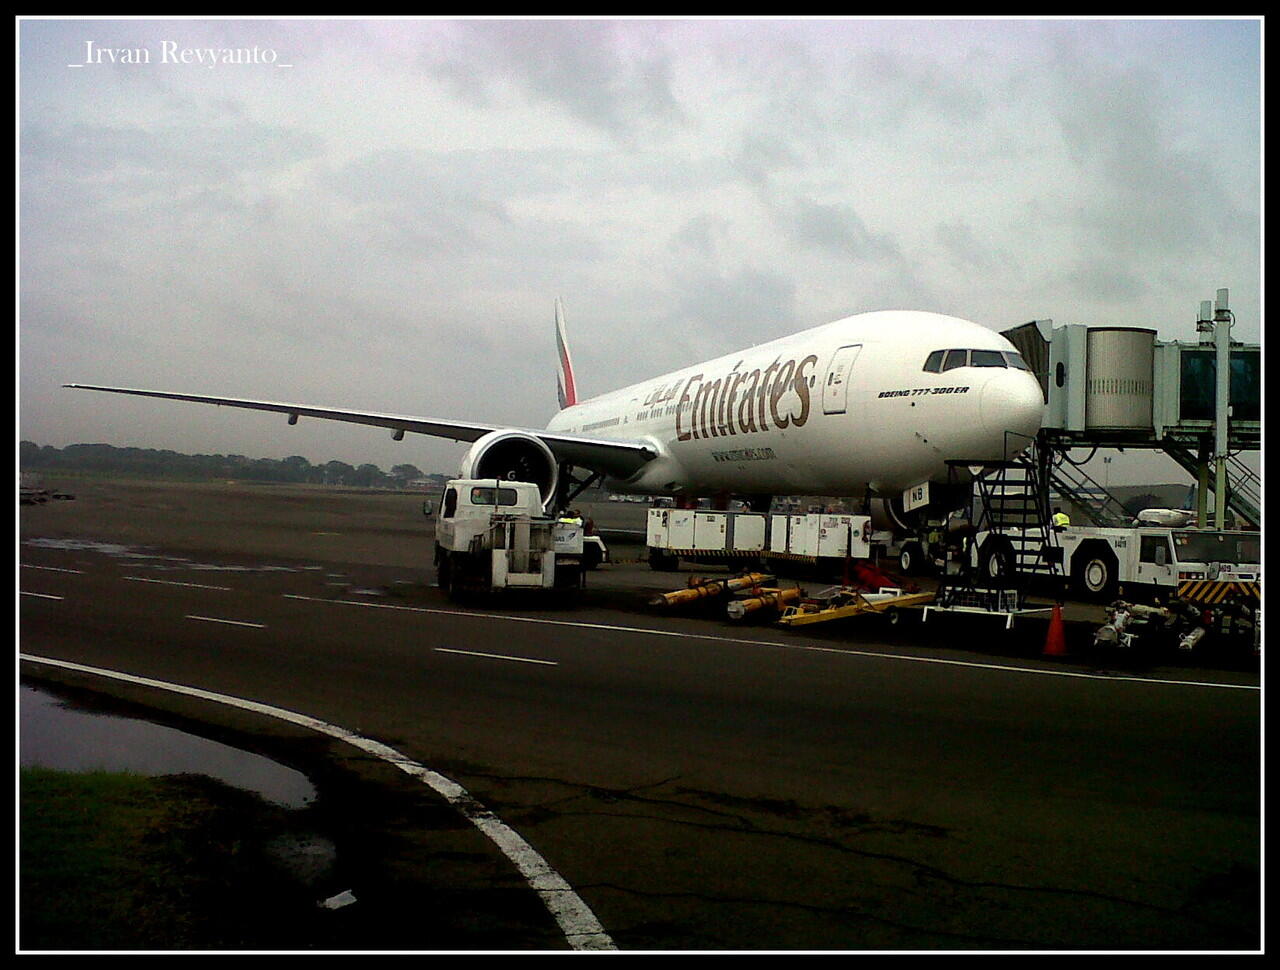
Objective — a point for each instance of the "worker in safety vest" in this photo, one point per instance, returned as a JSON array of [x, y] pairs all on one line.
[[1060, 519], [572, 517]]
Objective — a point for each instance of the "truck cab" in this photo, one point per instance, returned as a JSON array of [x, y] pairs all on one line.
[[493, 534]]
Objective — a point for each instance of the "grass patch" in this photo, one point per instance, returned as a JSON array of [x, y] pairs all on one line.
[[120, 861]]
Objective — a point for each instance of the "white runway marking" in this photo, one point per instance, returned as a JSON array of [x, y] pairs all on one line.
[[581, 928], [53, 569], [170, 582], [214, 619], [498, 656], [43, 596], [784, 646]]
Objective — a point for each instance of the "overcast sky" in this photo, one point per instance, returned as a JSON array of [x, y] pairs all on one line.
[[380, 214]]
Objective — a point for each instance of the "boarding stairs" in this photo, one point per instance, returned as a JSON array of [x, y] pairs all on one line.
[[1011, 503]]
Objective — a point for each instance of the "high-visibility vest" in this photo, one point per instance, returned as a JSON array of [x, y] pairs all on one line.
[[1061, 520]]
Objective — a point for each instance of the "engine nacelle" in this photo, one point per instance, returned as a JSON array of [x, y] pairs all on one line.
[[513, 456]]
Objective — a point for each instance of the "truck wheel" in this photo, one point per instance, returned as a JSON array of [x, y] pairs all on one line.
[[1094, 573]]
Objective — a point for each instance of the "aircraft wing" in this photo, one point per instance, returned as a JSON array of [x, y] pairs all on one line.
[[620, 459]]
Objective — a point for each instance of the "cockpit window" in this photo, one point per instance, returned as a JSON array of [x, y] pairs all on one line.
[[987, 358], [1015, 360], [954, 359], [934, 364]]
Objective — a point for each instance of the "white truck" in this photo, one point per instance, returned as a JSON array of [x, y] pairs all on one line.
[[494, 535], [1098, 561], [1171, 561]]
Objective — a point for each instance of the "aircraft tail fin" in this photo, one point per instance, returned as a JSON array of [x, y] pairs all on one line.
[[565, 385]]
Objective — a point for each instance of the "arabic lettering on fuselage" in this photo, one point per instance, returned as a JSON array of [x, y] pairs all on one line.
[[739, 402]]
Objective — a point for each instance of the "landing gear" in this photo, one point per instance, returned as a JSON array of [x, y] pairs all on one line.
[[911, 559]]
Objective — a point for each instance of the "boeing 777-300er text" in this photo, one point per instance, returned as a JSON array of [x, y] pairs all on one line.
[[882, 400]]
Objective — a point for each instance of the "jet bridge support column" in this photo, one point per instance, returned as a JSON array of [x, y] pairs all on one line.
[[1202, 489], [1222, 343]]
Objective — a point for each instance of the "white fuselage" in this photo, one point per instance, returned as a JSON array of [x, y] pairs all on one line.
[[827, 411]]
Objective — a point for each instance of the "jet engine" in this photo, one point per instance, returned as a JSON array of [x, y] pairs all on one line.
[[515, 456]]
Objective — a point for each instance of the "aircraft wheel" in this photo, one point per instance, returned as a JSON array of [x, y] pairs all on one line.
[[911, 559], [996, 560]]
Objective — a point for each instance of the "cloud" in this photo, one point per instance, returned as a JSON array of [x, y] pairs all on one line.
[[610, 76], [387, 223]]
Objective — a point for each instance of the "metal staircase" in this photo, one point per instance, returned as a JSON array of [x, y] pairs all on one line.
[[1084, 492], [1244, 488], [1012, 504]]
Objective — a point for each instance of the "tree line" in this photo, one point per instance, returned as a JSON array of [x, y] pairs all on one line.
[[163, 464]]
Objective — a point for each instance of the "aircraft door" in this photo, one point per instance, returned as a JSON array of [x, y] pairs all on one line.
[[835, 390]]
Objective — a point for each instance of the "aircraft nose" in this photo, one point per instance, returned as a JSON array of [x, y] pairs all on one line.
[[1012, 402]]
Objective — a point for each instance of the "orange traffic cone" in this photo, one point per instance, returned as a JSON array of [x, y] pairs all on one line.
[[1055, 643]]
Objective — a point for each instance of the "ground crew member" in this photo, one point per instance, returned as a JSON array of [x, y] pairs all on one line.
[[1060, 519]]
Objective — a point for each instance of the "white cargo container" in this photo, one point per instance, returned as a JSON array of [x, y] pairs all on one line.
[[841, 534], [748, 532], [710, 531], [779, 532], [802, 535], [811, 536]]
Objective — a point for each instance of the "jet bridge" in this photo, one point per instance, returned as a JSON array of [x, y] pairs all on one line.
[[1119, 387]]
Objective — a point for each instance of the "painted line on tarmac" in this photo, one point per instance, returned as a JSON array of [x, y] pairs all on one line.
[[52, 569], [498, 656], [214, 619], [43, 596], [170, 582], [576, 920], [784, 646]]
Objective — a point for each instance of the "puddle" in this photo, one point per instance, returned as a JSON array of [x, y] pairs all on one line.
[[155, 560], [52, 735]]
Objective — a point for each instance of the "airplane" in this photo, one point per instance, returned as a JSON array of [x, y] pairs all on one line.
[[890, 401]]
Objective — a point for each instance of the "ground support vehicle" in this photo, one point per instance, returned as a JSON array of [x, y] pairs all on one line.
[[1100, 561], [493, 535], [705, 536], [763, 599], [1230, 624], [840, 602], [1197, 583], [965, 596], [702, 587]]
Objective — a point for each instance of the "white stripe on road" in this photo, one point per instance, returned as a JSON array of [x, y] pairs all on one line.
[[43, 596], [170, 582], [497, 656], [52, 569], [214, 619], [581, 928], [784, 646]]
